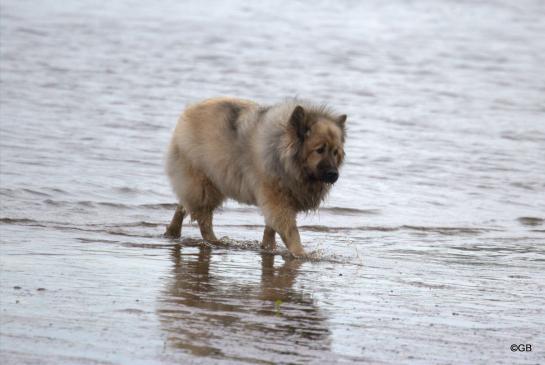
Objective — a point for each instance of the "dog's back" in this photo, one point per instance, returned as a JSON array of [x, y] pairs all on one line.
[[214, 138]]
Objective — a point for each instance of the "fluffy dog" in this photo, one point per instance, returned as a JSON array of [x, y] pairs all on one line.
[[283, 158]]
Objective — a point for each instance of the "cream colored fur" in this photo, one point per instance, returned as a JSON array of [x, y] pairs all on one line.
[[233, 148]]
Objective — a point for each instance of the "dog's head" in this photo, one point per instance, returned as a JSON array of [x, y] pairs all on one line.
[[320, 137]]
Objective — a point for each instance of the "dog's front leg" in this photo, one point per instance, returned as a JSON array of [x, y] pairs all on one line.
[[290, 236], [287, 228], [282, 220], [268, 242]]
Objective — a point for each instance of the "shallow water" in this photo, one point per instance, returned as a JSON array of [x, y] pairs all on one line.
[[430, 249]]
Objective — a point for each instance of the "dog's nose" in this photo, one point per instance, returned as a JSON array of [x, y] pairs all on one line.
[[331, 176]]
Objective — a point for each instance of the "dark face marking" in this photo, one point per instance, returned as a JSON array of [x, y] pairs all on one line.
[[327, 170], [323, 151], [232, 112]]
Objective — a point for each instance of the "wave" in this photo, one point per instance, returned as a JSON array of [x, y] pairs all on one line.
[[116, 228], [339, 211], [531, 221]]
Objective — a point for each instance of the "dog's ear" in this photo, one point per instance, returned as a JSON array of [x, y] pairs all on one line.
[[298, 123], [341, 120]]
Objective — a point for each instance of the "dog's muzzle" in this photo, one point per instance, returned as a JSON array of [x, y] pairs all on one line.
[[330, 176]]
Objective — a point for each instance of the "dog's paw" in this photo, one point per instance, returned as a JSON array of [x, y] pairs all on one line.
[[299, 254], [171, 234]]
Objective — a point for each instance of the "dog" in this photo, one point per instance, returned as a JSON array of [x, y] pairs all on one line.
[[283, 158]]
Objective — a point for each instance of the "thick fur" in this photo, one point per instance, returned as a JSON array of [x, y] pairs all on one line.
[[282, 158]]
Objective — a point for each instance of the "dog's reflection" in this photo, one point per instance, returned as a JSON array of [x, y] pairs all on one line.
[[215, 306]]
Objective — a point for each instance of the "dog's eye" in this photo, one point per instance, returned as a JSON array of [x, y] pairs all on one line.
[[335, 153], [321, 149]]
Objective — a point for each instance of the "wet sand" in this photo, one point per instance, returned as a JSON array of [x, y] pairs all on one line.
[[430, 248], [69, 296]]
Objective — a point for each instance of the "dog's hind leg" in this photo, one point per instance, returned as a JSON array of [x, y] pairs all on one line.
[[174, 229], [204, 218], [197, 194], [269, 242], [205, 199]]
